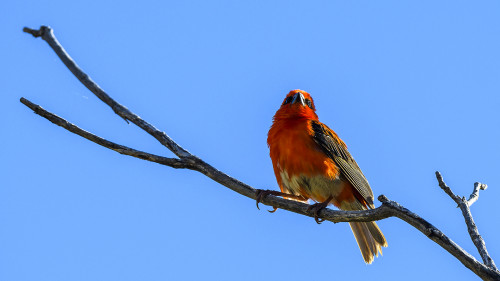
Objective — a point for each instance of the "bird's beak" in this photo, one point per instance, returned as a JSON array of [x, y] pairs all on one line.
[[298, 97]]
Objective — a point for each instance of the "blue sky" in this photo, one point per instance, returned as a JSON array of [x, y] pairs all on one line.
[[411, 87]]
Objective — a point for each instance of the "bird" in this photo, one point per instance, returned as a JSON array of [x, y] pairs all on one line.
[[311, 162]]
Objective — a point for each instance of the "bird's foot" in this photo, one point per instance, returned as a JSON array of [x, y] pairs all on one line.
[[262, 193], [317, 207]]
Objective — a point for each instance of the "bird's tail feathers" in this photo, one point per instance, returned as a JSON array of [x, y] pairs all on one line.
[[370, 239]]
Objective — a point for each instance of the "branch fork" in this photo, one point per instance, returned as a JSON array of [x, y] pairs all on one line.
[[185, 160], [464, 205]]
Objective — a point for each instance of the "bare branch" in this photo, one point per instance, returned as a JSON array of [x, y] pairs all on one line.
[[171, 162], [475, 193], [34, 32], [446, 188], [471, 225], [48, 36], [477, 239], [189, 161]]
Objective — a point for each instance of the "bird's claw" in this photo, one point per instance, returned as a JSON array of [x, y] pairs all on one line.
[[260, 194], [274, 210], [317, 207]]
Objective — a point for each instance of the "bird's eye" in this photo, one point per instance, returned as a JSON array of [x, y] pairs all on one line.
[[309, 103], [287, 100]]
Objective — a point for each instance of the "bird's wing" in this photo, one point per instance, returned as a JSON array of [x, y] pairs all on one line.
[[336, 150]]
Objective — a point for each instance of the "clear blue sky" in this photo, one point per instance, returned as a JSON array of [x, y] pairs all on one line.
[[411, 88]]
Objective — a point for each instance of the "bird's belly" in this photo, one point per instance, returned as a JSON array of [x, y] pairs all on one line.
[[315, 187]]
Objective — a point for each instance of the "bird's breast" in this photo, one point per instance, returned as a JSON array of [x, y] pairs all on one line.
[[300, 165]]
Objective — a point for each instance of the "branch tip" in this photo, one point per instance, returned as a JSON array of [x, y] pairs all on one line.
[[382, 198], [482, 186], [37, 32], [439, 177], [29, 104]]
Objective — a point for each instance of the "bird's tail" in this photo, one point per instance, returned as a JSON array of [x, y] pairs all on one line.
[[370, 239]]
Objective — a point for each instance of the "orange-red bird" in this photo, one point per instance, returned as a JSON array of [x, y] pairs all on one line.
[[312, 162]]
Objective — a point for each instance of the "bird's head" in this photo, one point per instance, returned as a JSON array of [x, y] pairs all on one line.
[[297, 104]]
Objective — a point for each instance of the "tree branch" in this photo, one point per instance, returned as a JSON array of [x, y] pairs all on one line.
[[171, 162], [48, 36], [471, 225], [474, 196], [188, 161]]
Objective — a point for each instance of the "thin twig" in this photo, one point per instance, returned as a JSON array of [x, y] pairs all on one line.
[[446, 188], [171, 162], [469, 221], [386, 210], [475, 193]]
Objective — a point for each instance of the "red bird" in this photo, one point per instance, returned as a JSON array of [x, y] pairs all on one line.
[[311, 162]]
